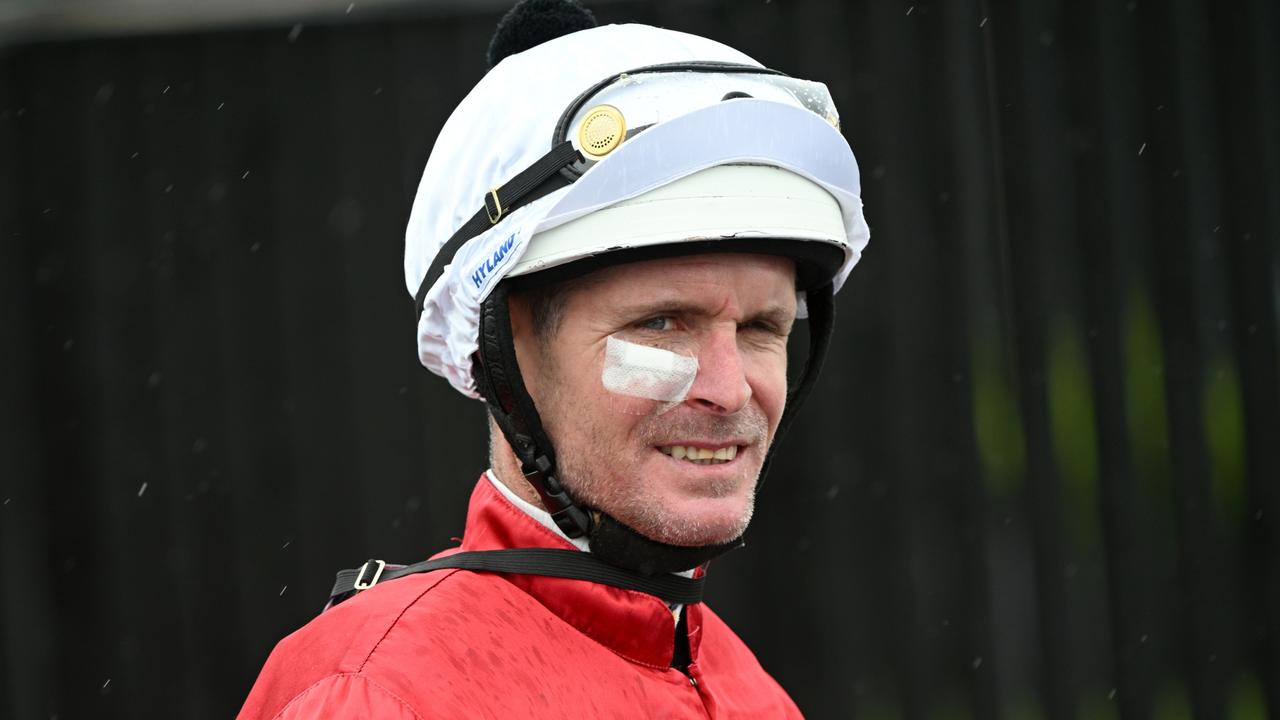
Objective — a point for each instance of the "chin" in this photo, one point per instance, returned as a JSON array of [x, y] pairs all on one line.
[[687, 506], [704, 521]]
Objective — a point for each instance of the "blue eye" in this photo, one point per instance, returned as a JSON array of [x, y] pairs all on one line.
[[661, 322]]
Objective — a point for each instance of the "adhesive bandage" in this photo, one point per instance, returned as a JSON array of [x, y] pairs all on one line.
[[647, 372]]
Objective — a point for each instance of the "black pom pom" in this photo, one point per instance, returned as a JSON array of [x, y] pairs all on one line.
[[533, 22]]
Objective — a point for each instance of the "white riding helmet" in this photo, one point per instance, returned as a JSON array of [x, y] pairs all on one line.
[[665, 139]]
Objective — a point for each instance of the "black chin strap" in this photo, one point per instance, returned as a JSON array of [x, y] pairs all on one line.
[[497, 375]]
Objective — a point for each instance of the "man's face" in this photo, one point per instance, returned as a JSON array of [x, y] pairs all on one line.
[[735, 313]]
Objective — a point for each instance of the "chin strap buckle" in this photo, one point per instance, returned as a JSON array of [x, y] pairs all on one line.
[[571, 519]]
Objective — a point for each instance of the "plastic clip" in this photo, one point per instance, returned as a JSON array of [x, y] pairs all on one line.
[[377, 575]]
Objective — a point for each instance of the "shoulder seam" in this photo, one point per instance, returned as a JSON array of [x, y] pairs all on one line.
[[404, 702], [335, 676], [395, 622]]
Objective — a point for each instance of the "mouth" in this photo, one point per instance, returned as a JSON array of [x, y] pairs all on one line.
[[701, 455]]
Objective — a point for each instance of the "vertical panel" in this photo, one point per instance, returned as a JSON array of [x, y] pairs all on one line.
[[1246, 72], [1038, 208], [243, 322], [297, 174], [27, 660], [1184, 220], [970, 242], [1111, 222]]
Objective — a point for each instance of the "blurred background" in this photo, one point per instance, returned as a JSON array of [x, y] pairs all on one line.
[[1040, 479]]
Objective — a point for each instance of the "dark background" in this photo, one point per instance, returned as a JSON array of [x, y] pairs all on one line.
[[1040, 479]]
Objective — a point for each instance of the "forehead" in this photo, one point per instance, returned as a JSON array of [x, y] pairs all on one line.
[[742, 278]]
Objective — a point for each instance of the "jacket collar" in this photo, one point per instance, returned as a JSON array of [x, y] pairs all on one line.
[[632, 624]]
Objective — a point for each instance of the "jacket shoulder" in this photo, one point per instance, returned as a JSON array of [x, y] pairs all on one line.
[[346, 696], [308, 665]]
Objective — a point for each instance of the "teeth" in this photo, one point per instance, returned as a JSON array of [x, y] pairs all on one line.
[[701, 456]]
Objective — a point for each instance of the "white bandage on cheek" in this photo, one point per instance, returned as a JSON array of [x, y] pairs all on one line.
[[647, 372]]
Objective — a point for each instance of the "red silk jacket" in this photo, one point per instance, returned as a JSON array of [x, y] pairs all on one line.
[[463, 644]]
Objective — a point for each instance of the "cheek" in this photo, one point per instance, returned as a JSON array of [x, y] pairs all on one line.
[[602, 415], [767, 375]]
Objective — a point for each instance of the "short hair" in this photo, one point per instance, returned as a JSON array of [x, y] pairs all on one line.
[[547, 302], [546, 310]]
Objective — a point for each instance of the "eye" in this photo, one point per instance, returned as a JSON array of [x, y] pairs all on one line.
[[766, 327], [661, 322]]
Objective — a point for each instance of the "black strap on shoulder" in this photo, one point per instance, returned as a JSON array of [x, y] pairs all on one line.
[[535, 181], [548, 562]]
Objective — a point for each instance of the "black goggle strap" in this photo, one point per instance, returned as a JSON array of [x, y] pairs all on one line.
[[497, 374], [535, 181], [820, 303]]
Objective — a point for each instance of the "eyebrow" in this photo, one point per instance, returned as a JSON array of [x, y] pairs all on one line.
[[775, 313]]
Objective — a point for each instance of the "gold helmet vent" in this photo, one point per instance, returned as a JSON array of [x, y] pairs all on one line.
[[601, 131]]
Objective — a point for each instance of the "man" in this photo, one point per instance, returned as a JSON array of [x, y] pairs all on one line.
[[621, 298]]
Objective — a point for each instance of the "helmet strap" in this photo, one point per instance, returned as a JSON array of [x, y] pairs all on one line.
[[497, 374]]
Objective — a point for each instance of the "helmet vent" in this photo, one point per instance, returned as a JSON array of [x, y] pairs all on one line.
[[602, 130]]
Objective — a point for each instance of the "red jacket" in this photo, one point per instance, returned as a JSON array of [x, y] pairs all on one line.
[[462, 644]]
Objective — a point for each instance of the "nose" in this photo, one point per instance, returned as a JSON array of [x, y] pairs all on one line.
[[721, 384]]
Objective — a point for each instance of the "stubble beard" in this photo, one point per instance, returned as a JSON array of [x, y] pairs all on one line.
[[600, 473]]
